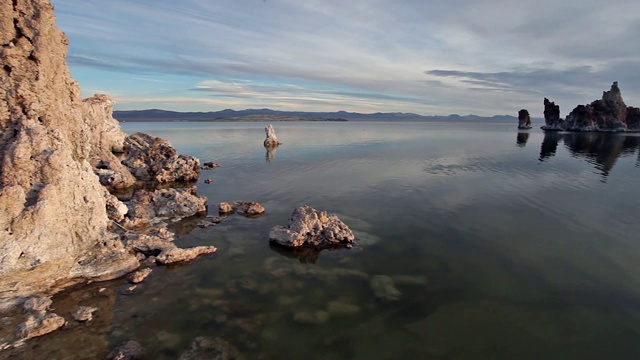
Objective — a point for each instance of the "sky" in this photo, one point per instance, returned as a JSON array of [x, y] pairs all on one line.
[[429, 57]]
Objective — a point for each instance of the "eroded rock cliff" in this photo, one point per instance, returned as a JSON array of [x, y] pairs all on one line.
[[53, 222]]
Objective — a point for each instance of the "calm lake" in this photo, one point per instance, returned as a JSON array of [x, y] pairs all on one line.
[[503, 245]]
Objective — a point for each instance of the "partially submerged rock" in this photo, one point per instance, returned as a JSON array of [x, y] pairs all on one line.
[[524, 119], [272, 140], [241, 208], [146, 206], [84, 313], [609, 113], [37, 326], [159, 243], [551, 115], [310, 227], [139, 276], [154, 159], [209, 165]]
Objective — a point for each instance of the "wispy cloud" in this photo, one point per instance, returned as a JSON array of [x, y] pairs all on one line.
[[426, 57]]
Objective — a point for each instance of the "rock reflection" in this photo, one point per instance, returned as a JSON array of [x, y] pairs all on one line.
[[600, 149], [271, 153], [522, 138], [304, 254]]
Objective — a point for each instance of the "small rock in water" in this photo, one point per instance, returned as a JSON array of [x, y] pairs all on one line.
[[272, 140], [37, 304], [209, 165], [139, 276], [341, 308], [384, 289], [84, 313], [310, 227], [38, 326], [208, 181]]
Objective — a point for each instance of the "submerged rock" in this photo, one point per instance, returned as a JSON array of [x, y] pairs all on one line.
[[131, 350], [272, 140], [384, 289], [38, 326], [213, 349], [310, 227], [139, 276]]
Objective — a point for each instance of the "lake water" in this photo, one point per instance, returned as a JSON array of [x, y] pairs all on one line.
[[503, 245]]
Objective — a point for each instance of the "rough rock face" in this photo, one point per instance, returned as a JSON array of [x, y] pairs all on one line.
[[53, 219], [159, 243], [524, 119], [551, 115], [246, 208], [146, 206], [607, 114], [310, 227], [153, 159], [271, 140]]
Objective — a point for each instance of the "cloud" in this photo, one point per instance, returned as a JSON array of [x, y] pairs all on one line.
[[414, 56]]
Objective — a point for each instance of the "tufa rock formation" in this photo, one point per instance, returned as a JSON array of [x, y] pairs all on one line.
[[272, 140], [53, 218], [607, 114], [524, 119], [59, 158], [551, 115], [312, 228]]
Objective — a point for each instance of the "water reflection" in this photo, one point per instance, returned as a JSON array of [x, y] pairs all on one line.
[[521, 139], [600, 149], [271, 153], [305, 255]]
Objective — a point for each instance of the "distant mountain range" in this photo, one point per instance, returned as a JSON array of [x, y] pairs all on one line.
[[275, 115]]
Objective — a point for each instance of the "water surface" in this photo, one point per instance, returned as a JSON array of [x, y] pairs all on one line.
[[504, 245]]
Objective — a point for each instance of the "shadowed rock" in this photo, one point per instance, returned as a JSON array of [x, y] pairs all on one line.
[[524, 119], [552, 119]]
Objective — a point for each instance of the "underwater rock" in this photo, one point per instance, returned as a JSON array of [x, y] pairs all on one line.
[[384, 289], [310, 227], [317, 317], [213, 349], [271, 140], [131, 350]]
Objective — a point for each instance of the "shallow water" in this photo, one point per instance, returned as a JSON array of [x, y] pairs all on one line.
[[503, 244]]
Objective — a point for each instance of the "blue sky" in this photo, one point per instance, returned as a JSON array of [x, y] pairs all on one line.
[[431, 57]]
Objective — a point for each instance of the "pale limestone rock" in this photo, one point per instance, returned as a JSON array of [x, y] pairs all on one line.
[[38, 326], [54, 223], [271, 140], [310, 227], [153, 159], [146, 206]]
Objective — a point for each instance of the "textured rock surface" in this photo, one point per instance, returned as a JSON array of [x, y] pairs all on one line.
[[310, 227], [84, 313], [153, 159], [159, 243], [139, 276], [551, 115], [241, 207], [146, 206], [38, 326], [607, 114], [524, 119], [53, 222], [271, 140]]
